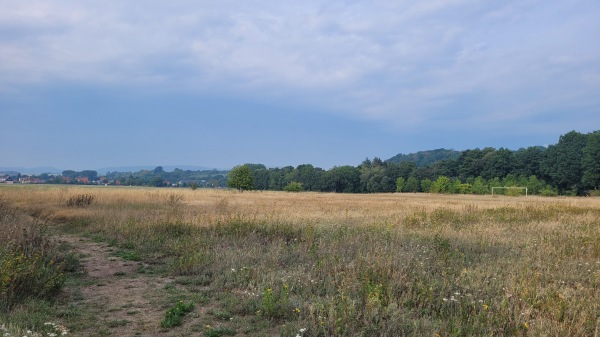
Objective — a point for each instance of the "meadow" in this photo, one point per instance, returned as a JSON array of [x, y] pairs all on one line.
[[324, 264]]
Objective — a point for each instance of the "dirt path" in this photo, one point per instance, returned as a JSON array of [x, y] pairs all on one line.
[[117, 299]]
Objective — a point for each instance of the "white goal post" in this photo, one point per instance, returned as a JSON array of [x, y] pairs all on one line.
[[508, 188]]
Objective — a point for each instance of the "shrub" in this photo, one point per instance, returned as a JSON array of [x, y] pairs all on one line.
[[31, 266], [80, 200], [293, 186], [548, 192]]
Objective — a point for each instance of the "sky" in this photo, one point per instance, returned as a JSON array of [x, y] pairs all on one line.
[[99, 83]]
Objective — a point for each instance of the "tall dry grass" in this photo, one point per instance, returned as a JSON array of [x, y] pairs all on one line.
[[339, 265]]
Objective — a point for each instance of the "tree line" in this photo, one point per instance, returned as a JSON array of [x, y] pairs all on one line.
[[569, 167]]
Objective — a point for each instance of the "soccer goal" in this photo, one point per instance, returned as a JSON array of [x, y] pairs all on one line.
[[510, 188]]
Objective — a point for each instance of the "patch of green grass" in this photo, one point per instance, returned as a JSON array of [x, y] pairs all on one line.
[[174, 316], [129, 255], [221, 314], [218, 332], [118, 323]]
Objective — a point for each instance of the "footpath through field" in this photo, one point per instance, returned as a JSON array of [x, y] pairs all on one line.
[[114, 297]]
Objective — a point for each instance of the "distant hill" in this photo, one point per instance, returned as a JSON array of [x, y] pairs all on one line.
[[30, 170], [425, 158], [166, 168]]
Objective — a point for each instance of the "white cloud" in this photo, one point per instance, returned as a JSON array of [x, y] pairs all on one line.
[[402, 62]]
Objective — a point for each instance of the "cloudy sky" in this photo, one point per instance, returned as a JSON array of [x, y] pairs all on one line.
[[89, 84]]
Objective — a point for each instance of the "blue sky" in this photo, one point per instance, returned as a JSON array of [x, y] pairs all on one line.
[[92, 84]]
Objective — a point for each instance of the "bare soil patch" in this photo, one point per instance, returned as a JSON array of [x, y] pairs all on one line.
[[119, 300]]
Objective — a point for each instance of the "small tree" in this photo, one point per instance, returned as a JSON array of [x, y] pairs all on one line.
[[293, 186], [426, 185], [241, 178], [412, 185], [443, 184], [400, 184]]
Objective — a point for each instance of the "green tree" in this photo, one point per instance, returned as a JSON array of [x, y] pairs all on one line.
[[479, 186], [563, 162], [343, 179], [443, 184], [527, 161], [591, 161], [412, 185], [497, 164], [400, 184], [156, 182], [426, 185], [241, 178], [535, 185], [293, 186]]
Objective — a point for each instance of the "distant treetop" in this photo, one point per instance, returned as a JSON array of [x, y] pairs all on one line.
[[425, 158]]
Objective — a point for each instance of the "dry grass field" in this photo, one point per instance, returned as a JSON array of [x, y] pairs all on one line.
[[309, 264]]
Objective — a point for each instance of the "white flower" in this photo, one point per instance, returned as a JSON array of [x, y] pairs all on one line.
[[302, 330]]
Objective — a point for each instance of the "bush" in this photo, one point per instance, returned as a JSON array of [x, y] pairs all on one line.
[[548, 192], [24, 276], [293, 187], [80, 200], [31, 266]]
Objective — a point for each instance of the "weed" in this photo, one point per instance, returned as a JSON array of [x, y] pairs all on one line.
[[118, 323], [174, 316], [128, 255], [218, 332], [276, 304]]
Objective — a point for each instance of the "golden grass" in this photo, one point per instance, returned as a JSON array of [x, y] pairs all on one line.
[[376, 264]]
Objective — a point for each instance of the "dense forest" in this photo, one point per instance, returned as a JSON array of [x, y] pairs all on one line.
[[569, 167]]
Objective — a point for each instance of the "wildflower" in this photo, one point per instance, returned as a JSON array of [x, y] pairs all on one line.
[[525, 325], [302, 330], [485, 306], [445, 299], [296, 310]]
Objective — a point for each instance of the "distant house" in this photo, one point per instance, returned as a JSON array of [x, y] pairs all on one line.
[[82, 180], [6, 180]]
